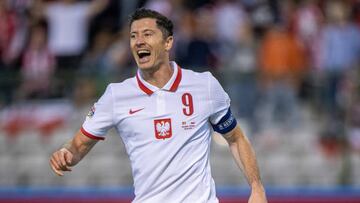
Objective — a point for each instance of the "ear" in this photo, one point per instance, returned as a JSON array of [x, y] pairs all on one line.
[[169, 43]]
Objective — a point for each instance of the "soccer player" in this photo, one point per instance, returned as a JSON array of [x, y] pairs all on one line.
[[164, 115]]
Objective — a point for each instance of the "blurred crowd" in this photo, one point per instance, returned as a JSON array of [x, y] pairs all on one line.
[[273, 57]]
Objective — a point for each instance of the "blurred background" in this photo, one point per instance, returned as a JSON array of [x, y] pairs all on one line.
[[291, 68]]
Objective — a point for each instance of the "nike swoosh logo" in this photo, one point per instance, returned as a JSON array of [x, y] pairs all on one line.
[[134, 111]]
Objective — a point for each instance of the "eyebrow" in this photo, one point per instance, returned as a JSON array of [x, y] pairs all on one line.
[[146, 30]]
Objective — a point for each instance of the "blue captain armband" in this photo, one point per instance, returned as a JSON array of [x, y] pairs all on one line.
[[226, 124]]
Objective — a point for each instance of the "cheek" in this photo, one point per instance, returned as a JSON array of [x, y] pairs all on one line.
[[157, 53], [132, 44], [132, 50], [160, 50]]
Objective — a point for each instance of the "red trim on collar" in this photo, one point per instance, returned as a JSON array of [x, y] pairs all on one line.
[[177, 80], [142, 86], [173, 87]]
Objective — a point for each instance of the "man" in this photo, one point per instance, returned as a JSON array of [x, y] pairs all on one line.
[[164, 115]]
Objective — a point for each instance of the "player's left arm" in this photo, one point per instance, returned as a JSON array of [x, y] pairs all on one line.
[[245, 158]]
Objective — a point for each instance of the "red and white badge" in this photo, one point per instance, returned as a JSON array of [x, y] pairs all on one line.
[[163, 128]]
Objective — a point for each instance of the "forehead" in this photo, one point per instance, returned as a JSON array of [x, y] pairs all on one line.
[[143, 24]]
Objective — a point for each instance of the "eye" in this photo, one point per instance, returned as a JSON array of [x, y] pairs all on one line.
[[148, 34], [132, 36]]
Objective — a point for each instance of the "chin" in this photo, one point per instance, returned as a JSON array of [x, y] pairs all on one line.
[[145, 66]]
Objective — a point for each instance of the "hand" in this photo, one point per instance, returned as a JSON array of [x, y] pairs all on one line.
[[257, 196], [61, 160]]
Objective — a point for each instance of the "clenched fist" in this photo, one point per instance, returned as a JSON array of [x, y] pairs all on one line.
[[61, 160]]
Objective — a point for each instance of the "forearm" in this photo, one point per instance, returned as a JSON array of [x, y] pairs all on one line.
[[79, 146], [245, 157]]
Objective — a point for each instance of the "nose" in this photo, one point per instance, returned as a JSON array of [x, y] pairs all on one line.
[[139, 41]]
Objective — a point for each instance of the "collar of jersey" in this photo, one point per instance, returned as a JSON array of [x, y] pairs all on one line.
[[171, 85]]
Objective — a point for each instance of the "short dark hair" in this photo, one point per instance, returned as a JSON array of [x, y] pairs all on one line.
[[163, 23]]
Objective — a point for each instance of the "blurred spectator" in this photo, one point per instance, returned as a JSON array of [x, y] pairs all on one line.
[[8, 29], [262, 14], [282, 65], [95, 61], [197, 46], [64, 16], [339, 53], [119, 59], [68, 22], [308, 22], [184, 35], [8, 26], [24, 21], [240, 69], [229, 17], [38, 66], [106, 59], [108, 18]]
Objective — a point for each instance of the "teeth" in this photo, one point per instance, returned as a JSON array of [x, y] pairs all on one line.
[[143, 52]]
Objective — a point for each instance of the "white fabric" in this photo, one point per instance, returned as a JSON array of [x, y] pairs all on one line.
[[174, 169], [68, 26]]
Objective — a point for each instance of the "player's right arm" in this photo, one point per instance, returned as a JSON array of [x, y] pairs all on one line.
[[97, 123], [71, 153]]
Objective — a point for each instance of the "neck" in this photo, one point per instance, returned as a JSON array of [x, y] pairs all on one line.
[[158, 76]]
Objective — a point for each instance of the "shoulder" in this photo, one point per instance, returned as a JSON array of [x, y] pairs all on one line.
[[127, 83], [199, 79], [197, 76], [123, 88]]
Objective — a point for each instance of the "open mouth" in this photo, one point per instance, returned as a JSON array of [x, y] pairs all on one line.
[[144, 55]]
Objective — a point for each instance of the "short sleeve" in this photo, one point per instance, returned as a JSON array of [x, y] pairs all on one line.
[[219, 100], [100, 117], [221, 117]]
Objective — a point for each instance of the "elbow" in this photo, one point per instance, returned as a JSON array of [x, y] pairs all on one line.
[[234, 136]]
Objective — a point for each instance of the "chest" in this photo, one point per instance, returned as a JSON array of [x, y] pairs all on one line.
[[162, 116]]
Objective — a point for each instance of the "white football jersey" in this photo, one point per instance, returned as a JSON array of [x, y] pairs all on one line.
[[166, 132]]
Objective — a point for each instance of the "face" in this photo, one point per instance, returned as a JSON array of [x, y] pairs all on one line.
[[148, 45]]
